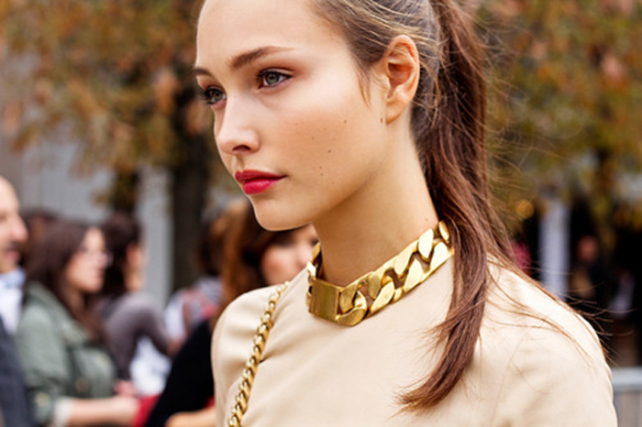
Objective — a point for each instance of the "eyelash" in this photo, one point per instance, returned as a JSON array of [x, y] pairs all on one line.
[[263, 74], [208, 93]]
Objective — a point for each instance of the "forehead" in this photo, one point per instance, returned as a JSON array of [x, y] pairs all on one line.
[[93, 235], [229, 27]]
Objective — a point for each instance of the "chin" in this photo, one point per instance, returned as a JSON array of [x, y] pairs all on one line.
[[278, 218]]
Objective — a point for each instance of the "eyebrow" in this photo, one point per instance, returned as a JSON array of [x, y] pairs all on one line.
[[243, 59]]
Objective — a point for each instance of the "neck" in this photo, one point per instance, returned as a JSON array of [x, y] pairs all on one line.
[[392, 211], [133, 280], [75, 299]]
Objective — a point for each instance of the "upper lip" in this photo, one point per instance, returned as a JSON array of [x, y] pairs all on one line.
[[249, 175]]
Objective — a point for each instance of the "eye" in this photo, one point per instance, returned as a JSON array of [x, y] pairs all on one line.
[[270, 78], [213, 95]]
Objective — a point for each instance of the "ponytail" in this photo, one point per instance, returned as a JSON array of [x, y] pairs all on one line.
[[452, 147], [448, 120]]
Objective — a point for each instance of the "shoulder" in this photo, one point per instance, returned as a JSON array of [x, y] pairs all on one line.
[[40, 326], [41, 309], [239, 320], [138, 299], [233, 338], [243, 315], [36, 316], [521, 308], [138, 303], [548, 361]]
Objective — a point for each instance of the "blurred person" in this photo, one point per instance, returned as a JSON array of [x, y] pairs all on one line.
[[128, 313], [14, 402], [15, 408], [189, 306], [61, 341], [592, 286], [186, 308], [12, 234], [252, 258]]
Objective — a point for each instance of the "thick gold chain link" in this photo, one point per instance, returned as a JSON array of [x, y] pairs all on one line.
[[252, 364], [349, 305]]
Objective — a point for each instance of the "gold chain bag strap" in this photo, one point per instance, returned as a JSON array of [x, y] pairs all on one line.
[[349, 305], [262, 332]]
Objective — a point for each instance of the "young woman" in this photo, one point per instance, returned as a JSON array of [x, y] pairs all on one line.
[[252, 258], [70, 376], [189, 306], [366, 118], [128, 314]]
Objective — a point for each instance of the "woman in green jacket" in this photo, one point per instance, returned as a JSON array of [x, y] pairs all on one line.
[[61, 342]]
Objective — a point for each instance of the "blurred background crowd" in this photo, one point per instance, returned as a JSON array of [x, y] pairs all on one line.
[[74, 322], [108, 148]]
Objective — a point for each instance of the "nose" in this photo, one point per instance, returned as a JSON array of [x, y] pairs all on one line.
[[234, 129]]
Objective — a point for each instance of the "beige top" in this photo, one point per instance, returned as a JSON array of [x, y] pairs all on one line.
[[317, 373]]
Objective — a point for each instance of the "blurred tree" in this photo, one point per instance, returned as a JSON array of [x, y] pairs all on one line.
[[118, 74], [570, 96], [116, 77]]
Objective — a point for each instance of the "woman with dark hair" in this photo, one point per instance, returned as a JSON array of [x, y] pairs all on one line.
[[189, 306], [252, 257], [128, 314], [366, 118], [61, 342]]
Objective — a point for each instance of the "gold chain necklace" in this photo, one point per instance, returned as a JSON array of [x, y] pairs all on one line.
[[239, 406], [349, 305]]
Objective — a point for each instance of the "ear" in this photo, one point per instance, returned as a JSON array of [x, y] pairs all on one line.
[[400, 70]]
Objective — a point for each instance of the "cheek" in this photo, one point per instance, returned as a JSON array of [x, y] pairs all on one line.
[[83, 276], [330, 129], [4, 236], [275, 266], [73, 276]]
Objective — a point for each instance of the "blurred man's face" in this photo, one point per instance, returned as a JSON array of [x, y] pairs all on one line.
[[12, 229]]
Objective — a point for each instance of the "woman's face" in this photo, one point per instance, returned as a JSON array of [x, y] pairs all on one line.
[[285, 258], [86, 268], [291, 121]]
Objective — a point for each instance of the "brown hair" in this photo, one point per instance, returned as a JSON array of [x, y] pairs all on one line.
[[121, 231], [37, 221], [448, 123], [209, 246], [47, 265]]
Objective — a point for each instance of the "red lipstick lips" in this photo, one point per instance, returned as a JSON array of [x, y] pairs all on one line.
[[255, 182]]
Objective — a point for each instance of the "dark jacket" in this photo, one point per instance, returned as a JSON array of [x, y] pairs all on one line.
[[14, 404]]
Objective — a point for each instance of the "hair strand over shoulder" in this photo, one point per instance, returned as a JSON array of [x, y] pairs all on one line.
[[448, 120]]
